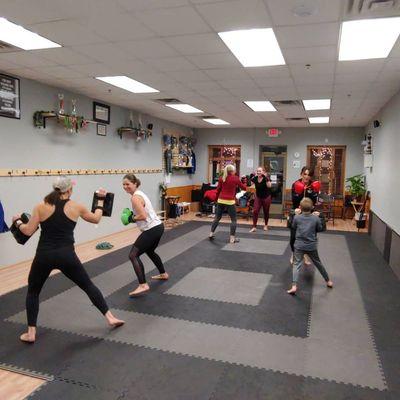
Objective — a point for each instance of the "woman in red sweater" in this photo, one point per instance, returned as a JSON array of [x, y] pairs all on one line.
[[226, 190]]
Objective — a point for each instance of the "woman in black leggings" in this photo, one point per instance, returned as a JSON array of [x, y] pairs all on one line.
[[152, 229], [57, 217]]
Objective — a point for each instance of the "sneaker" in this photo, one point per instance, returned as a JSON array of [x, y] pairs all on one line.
[[253, 229]]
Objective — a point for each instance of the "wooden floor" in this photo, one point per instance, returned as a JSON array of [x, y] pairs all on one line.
[[15, 386]]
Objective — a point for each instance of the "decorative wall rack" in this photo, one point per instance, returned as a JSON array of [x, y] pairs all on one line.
[[52, 172]]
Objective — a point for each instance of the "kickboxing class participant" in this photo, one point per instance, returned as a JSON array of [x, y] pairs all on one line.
[[262, 197], [226, 191], [152, 229], [306, 225], [57, 217], [303, 187]]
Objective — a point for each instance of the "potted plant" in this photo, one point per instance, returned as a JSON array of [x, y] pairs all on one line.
[[356, 186]]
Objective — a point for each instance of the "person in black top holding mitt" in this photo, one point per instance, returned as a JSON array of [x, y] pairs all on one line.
[[262, 197], [57, 217]]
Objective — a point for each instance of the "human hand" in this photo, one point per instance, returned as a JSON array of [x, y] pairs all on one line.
[[316, 213], [297, 211], [15, 217], [101, 192]]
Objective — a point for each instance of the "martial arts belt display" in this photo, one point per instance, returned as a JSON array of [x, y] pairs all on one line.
[[107, 206], [20, 237], [127, 217]]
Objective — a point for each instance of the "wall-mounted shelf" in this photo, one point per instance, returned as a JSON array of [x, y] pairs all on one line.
[[40, 118], [144, 133], [53, 172]]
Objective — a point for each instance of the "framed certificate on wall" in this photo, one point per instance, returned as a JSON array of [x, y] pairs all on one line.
[[101, 112], [10, 105]]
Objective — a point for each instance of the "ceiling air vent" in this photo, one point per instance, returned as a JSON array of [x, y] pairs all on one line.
[[167, 101], [286, 103], [8, 48], [373, 8], [296, 119]]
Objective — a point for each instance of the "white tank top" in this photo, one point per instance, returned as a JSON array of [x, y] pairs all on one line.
[[152, 219]]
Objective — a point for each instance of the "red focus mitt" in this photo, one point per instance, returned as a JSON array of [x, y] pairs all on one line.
[[316, 186], [299, 187], [211, 195]]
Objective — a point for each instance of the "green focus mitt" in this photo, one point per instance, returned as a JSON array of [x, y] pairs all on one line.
[[127, 217]]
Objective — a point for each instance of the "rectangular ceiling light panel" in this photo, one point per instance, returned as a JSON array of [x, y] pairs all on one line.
[[318, 120], [321, 104], [260, 106], [18, 36], [185, 108], [216, 121], [128, 84], [368, 38], [254, 47]]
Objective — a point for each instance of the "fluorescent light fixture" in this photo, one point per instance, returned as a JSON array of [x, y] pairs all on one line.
[[128, 84], [318, 120], [368, 38], [321, 104], [254, 47], [18, 36], [259, 106], [185, 108], [216, 121]]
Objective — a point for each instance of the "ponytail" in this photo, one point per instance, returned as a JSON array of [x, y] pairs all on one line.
[[53, 197]]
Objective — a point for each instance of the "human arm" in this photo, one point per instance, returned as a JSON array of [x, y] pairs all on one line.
[[138, 207], [268, 181], [241, 185], [93, 217], [29, 228]]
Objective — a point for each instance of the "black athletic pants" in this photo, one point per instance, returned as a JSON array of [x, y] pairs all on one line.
[[147, 242], [66, 260], [231, 209]]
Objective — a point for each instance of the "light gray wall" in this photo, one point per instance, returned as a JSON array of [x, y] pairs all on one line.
[[296, 140], [23, 146], [384, 178]]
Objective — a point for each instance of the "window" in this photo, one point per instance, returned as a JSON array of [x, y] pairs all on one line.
[[221, 155], [328, 163]]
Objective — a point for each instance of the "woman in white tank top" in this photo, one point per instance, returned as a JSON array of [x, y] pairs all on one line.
[[152, 229]]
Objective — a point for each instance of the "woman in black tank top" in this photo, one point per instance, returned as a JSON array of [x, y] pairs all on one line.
[[56, 251]]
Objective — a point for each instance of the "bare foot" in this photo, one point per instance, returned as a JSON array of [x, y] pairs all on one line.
[[253, 229], [292, 290], [329, 284], [113, 321], [142, 288], [161, 277], [265, 227], [27, 338]]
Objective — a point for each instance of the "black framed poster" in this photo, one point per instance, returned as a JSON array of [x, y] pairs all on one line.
[[9, 97], [101, 112]]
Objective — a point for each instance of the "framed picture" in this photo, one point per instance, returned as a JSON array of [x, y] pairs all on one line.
[[101, 112], [10, 106], [102, 129]]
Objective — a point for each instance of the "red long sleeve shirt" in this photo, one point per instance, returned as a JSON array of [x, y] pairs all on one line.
[[227, 190]]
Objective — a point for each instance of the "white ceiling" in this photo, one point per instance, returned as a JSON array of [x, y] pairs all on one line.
[[173, 46]]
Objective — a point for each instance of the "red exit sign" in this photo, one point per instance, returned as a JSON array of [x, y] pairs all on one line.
[[273, 132]]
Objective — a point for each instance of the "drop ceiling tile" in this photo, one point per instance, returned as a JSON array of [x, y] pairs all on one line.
[[132, 67], [309, 91], [173, 21], [61, 72], [234, 15], [284, 12], [189, 76], [104, 52], [227, 73], [275, 82], [28, 73], [314, 79], [365, 78], [5, 65], [237, 84], [310, 55], [308, 35], [344, 89], [280, 93], [26, 59], [66, 33], [213, 61], [392, 64], [204, 86], [92, 70], [174, 64], [148, 48], [204, 43], [246, 93], [300, 70], [150, 4], [395, 52], [277, 71], [359, 66], [63, 56]]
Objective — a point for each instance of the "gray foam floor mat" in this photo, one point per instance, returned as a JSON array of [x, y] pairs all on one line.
[[333, 344]]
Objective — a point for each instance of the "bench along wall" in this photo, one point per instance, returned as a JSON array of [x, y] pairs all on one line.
[[22, 146]]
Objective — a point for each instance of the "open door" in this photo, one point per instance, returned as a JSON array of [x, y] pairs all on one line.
[[273, 158]]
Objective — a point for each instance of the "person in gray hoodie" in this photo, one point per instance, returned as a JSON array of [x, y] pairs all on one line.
[[306, 225]]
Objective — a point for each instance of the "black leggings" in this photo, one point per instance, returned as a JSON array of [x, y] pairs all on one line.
[[147, 242], [218, 215], [66, 260]]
